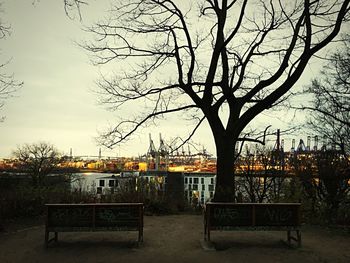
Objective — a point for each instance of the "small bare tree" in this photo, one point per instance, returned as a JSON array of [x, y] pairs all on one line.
[[262, 175], [333, 185], [38, 160], [330, 105], [240, 57]]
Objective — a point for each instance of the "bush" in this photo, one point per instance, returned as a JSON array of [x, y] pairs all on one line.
[[157, 207]]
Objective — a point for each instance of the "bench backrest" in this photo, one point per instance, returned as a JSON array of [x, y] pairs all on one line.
[[221, 215], [127, 216]]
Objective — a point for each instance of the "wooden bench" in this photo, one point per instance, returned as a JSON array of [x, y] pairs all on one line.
[[254, 216], [93, 217]]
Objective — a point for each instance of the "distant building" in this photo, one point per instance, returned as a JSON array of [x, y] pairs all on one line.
[[199, 187], [116, 182], [195, 187], [107, 184]]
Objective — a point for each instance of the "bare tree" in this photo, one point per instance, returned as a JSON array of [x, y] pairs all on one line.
[[333, 185], [254, 182], [324, 178], [73, 6], [8, 84], [263, 175], [239, 57], [38, 160], [330, 106]]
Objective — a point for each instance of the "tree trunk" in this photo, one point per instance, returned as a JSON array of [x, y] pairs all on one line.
[[225, 182]]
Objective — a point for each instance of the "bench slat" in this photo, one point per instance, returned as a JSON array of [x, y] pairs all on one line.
[[94, 217], [253, 216]]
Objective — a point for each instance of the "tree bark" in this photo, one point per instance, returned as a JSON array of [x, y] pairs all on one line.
[[225, 179]]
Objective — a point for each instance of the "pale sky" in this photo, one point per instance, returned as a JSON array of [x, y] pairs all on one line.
[[56, 103]]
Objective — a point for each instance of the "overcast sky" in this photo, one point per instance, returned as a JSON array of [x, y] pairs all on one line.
[[56, 103]]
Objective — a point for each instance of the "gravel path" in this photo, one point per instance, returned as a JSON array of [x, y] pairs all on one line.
[[175, 238]]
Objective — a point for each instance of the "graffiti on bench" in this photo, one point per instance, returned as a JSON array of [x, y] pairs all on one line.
[[254, 215], [71, 216], [117, 217], [94, 216]]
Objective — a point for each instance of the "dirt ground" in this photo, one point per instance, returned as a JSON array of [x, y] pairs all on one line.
[[174, 238]]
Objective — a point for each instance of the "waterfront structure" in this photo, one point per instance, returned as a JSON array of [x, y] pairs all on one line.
[[196, 173]]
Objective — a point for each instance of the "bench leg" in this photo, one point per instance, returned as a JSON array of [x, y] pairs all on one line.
[[46, 238], [140, 235], [296, 238], [206, 231], [299, 238], [289, 237]]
